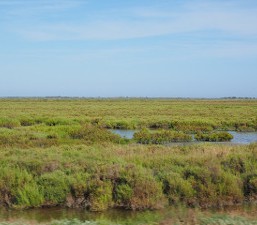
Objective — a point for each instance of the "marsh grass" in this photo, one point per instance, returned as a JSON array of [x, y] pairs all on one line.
[[160, 137], [99, 177], [181, 115], [214, 136], [59, 152]]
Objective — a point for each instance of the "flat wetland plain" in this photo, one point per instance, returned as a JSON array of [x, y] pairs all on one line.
[[60, 153]]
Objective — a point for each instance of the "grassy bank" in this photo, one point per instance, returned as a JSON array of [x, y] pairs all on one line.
[[98, 177]]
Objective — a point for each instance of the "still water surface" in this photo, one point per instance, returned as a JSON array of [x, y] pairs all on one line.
[[239, 137], [172, 215]]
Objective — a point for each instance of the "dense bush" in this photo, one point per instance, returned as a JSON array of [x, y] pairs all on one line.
[[54, 187], [178, 189], [18, 188], [137, 189], [160, 137], [99, 195], [214, 136], [93, 134], [9, 123], [131, 177], [26, 140]]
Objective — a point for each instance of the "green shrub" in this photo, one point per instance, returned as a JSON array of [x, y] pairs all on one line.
[[99, 195], [18, 188], [52, 136], [235, 164], [54, 187], [57, 121], [92, 134], [160, 137], [194, 126], [79, 184], [123, 194], [229, 189], [250, 185], [161, 124], [214, 187], [178, 189], [27, 122], [29, 196], [138, 189], [214, 137], [9, 123]]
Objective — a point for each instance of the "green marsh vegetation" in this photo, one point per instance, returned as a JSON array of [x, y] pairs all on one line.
[[182, 115], [59, 152], [137, 177], [214, 136], [160, 137]]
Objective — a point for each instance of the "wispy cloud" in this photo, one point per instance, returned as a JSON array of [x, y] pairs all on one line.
[[228, 19], [25, 9]]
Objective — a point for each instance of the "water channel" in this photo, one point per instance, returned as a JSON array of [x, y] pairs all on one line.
[[239, 137]]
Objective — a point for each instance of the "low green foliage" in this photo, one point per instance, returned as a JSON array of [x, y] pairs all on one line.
[[160, 137], [93, 134], [214, 136], [9, 123], [99, 195], [179, 114], [18, 188], [54, 187], [178, 189], [128, 176]]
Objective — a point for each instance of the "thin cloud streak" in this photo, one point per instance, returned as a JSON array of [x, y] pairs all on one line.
[[238, 22], [30, 9]]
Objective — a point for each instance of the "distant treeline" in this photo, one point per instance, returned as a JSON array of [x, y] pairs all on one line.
[[121, 97]]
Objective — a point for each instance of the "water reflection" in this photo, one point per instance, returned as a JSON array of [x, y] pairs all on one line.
[[171, 215]]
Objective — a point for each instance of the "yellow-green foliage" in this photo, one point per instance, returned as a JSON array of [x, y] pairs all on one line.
[[186, 115], [214, 136], [93, 134], [58, 152], [54, 187], [18, 188], [131, 176], [160, 137], [99, 195]]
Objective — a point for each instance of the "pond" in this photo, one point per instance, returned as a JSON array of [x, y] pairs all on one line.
[[171, 215], [239, 137]]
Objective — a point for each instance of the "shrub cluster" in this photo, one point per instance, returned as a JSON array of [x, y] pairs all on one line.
[[136, 178], [160, 137], [214, 136], [93, 134]]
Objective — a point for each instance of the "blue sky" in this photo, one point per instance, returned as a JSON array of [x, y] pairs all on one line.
[[136, 48]]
